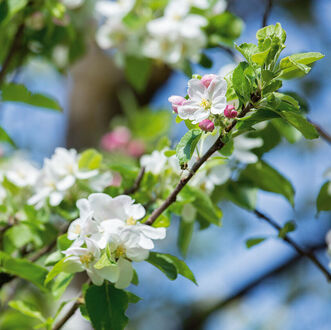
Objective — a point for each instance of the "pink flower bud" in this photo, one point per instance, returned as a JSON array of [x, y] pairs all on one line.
[[176, 101], [229, 112], [136, 148], [207, 125], [116, 139], [207, 79]]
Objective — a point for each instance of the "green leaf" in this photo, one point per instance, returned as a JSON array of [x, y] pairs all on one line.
[[247, 50], [297, 65], [90, 159], [323, 202], [267, 178], [170, 265], [228, 148], [19, 93], [241, 82], [63, 242], [256, 117], [291, 134], [205, 61], [14, 6], [23, 269], [162, 221], [301, 124], [59, 267], [203, 205], [4, 137], [60, 284], [186, 146], [185, 234], [254, 241], [288, 227], [27, 309], [103, 262], [137, 71], [106, 307]]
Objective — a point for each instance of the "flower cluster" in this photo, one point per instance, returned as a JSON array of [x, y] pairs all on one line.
[[60, 173], [107, 237], [171, 34]]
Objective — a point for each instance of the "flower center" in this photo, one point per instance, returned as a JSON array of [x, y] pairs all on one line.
[[205, 104], [86, 258], [77, 229], [131, 221], [119, 252]]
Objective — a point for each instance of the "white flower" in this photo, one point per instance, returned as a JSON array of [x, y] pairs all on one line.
[[58, 175], [72, 4], [176, 35], [21, 172], [242, 147], [204, 101], [155, 162], [79, 259], [114, 9]]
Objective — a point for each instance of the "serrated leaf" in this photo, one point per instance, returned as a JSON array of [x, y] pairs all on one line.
[[19, 93], [241, 83], [186, 145]]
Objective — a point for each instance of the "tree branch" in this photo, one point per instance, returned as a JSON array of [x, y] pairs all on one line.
[[136, 184], [291, 242], [197, 318], [325, 135], [182, 183], [67, 316], [266, 13]]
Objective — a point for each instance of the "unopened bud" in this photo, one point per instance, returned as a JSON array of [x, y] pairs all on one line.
[[229, 112], [176, 101], [207, 79], [207, 125], [136, 148]]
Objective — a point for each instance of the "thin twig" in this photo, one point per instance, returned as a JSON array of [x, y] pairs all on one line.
[[291, 242], [182, 183], [325, 135], [68, 315], [136, 184], [230, 52], [11, 52], [267, 13], [198, 317]]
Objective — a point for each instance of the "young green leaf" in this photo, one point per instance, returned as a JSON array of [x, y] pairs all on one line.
[[323, 202], [186, 146], [288, 227], [241, 82], [19, 93], [27, 309], [254, 241], [185, 234], [90, 159], [265, 177], [24, 269]]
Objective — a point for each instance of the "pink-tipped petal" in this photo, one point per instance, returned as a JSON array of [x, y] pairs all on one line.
[[176, 101], [207, 79]]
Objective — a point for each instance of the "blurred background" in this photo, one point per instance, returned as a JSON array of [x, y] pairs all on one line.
[[265, 287]]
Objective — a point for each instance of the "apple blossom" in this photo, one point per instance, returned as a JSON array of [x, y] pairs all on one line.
[[207, 79], [230, 112], [242, 147], [155, 162], [204, 102]]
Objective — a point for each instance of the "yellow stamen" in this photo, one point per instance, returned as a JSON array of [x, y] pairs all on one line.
[[120, 251], [77, 229], [205, 104], [131, 221], [86, 258]]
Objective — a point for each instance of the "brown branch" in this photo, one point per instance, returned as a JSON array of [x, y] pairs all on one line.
[[219, 144], [136, 184], [266, 13], [69, 314], [291, 242], [197, 317], [11, 52], [325, 135]]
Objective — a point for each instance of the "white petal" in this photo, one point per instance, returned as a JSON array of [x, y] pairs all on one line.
[[55, 198], [83, 175], [95, 277], [137, 254], [152, 232], [110, 273], [126, 274], [137, 211], [196, 89], [66, 183]]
